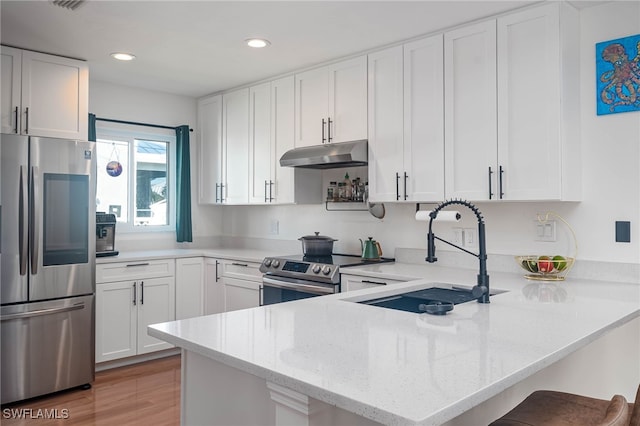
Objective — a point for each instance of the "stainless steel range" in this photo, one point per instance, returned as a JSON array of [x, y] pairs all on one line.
[[296, 277]]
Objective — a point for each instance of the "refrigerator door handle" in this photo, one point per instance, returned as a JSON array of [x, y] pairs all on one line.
[[40, 312], [35, 214], [23, 235]]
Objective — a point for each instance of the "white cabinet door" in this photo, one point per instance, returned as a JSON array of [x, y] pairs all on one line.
[[385, 124], [470, 112], [189, 287], [241, 294], [11, 77], [261, 154], [529, 104], [235, 127], [290, 185], [347, 100], [210, 146], [55, 96], [44, 95], [312, 100], [282, 138], [214, 287], [424, 119], [156, 304], [116, 320], [331, 103]]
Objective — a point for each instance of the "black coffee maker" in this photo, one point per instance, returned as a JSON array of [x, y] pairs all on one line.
[[105, 234]]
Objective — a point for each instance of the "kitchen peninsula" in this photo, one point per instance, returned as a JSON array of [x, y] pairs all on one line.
[[330, 360]]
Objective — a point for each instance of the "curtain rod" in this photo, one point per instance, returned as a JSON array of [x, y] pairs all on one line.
[[110, 120]]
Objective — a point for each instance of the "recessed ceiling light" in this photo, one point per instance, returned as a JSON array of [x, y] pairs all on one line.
[[257, 42], [123, 56]]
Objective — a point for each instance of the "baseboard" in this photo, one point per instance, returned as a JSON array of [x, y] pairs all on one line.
[[136, 359]]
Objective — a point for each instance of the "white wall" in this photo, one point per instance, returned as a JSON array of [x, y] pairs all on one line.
[[611, 185], [132, 104]]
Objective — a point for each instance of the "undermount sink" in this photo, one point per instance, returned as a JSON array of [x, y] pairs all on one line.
[[434, 300]]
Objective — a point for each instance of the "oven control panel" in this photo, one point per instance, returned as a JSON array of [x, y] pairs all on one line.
[[302, 270]]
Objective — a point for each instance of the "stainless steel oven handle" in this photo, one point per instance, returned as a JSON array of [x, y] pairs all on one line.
[[40, 312], [297, 286]]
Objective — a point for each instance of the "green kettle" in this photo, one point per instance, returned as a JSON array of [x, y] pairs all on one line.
[[371, 249]]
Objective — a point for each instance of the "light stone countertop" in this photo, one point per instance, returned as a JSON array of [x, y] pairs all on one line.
[[403, 368], [242, 254]]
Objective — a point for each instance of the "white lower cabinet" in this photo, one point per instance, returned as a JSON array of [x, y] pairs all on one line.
[[213, 287], [241, 294], [356, 282], [242, 282], [231, 285], [189, 287], [126, 306]]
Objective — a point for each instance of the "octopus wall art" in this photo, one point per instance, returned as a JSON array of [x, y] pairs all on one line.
[[618, 75]]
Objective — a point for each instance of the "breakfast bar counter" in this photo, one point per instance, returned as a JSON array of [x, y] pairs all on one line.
[[331, 360]]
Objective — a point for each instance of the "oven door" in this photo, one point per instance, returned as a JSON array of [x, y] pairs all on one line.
[[283, 289]]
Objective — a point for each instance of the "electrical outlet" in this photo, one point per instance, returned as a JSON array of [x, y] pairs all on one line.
[[274, 227], [458, 236], [470, 237], [545, 231]]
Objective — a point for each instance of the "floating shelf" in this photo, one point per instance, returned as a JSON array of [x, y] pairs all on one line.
[[346, 206]]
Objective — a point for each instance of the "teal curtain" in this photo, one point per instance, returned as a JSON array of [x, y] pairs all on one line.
[[92, 127], [183, 183]]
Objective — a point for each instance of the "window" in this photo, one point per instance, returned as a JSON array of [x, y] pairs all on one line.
[[136, 179]]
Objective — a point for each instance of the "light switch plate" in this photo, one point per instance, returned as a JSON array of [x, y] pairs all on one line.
[[274, 227], [545, 231], [470, 238]]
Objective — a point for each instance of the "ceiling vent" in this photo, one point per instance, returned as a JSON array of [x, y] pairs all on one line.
[[68, 4]]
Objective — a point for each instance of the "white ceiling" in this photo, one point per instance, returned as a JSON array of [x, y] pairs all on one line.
[[196, 48]]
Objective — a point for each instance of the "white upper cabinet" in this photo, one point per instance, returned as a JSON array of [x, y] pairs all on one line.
[[424, 120], [282, 137], [261, 154], [44, 95], [235, 131], [210, 155], [288, 185], [512, 107], [406, 142], [11, 77], [538, 107], [242, 135], [385, 124], [331, 103], [470, 111], [348, 100]]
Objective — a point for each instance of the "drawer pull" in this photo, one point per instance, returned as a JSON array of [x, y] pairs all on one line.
[[374, 282], [137, 264], [240, 264]]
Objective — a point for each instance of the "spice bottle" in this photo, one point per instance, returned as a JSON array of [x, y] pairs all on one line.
[[332, 191], [348, 188]]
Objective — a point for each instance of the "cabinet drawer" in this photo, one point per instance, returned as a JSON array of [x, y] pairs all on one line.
[[353, 282], [109, 272], [242, 270]]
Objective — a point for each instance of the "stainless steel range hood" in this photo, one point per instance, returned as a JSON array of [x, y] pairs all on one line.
[[327, 156]]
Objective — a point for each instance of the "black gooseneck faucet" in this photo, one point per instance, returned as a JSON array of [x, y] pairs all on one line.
[[481, 290]]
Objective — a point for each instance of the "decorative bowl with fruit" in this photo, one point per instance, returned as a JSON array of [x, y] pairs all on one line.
[[546, 268]]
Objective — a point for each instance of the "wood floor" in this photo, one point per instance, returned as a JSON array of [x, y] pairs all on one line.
[[142, 394]]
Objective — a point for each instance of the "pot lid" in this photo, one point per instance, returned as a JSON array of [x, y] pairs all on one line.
[[316, 237]]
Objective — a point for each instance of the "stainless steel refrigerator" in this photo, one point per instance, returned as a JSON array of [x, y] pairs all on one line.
[[47, 298]]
